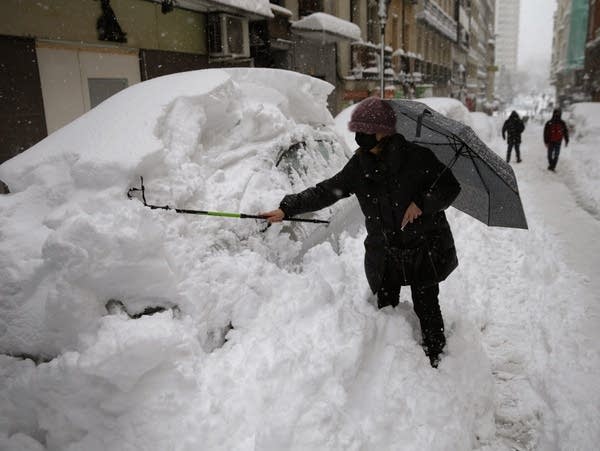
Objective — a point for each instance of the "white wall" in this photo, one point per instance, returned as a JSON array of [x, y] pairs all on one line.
[[64, 73]]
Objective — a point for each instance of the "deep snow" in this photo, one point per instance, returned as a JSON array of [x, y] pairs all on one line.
[[309, 362]]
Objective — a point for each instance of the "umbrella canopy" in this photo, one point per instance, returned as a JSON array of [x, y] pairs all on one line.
[[489, 188]]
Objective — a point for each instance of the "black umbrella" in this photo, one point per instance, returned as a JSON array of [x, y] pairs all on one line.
[[489, 188]]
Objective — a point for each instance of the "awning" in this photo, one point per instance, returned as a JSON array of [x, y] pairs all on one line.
[[253, 9], [326, 28]]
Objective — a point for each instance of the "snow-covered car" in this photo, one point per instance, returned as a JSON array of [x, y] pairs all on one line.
[[232, 140]]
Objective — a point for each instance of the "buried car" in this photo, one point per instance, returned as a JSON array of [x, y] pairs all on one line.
[[231, 140]]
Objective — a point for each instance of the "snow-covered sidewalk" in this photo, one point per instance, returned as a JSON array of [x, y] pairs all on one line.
[[541, 321]]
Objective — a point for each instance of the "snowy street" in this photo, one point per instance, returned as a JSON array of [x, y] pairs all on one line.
[[543, 331], [268, 339]]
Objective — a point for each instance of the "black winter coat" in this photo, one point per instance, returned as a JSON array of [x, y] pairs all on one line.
[[385, 185], [513, 126]]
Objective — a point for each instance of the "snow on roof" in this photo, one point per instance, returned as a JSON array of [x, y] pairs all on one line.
[[260, 7], [281, 10], [329, 24]]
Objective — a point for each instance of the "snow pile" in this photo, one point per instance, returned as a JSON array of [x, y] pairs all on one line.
[[452, 108], [203, 139], [259, 345], [586, 119], [328, 23], [341, 126], [485, 126], [580, 159]]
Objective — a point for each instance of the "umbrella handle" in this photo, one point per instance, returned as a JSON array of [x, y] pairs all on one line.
[[420, 121]]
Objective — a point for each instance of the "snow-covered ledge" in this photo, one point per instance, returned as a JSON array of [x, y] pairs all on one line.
[[256, 9], [326, 27]]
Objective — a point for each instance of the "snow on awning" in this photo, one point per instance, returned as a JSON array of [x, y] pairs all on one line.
[[327, 28], [260, 7], [255, 9], [281, 10]]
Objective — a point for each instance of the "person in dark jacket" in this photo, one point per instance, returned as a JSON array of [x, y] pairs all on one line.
[[555, 131], [514, 127], [403, 190]]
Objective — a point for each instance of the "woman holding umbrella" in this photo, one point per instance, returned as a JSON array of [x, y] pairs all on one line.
[[403, 190]]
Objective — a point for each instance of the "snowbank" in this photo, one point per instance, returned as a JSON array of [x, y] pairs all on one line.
[[580, 160], [205, 139], [484, 125], [586, 119], [261, 344]]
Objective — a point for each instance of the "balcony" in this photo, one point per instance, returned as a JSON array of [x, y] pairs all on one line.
[[436, 18]]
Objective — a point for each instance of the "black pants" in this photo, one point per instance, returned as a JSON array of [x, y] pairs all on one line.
[[517, 151], [553, 153], [426, 305]]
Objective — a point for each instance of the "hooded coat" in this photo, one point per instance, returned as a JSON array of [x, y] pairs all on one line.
[[385, 185], [556, 129], [514, 127]]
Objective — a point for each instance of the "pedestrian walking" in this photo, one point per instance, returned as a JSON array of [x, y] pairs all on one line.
[[513, 127], [555, 131], [403, 190]]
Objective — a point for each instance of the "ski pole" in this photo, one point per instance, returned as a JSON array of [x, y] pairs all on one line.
[[222, 214]]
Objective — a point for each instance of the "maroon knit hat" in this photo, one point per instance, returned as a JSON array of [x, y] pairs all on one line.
[[371, 116]]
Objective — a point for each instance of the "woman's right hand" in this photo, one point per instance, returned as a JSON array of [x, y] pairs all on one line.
[[273, 216]]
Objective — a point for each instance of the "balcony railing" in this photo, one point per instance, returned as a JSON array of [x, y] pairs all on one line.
[[434, 16]]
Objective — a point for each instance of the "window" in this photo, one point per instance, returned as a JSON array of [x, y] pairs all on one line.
[[235, 35], [228, 36], [102, 88]]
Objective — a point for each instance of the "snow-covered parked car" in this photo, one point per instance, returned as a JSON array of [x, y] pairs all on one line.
[[232, 140]]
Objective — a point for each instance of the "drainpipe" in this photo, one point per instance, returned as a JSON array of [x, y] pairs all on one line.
[[382, 13]]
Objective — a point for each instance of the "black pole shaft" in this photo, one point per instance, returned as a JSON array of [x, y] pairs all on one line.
[[211, 213]]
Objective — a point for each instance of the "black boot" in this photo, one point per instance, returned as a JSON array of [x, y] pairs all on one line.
[[433, 345]]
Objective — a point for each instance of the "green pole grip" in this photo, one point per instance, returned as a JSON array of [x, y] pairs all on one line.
[[223, 214]]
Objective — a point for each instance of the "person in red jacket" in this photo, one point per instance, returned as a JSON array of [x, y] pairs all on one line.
[[555, 131]]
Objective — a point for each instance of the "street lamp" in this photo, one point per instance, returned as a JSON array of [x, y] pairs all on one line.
[[382, 14]]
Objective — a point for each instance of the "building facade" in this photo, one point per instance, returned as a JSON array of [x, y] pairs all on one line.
[[62, 58], [507, 34], [480, 60], [507, 43], [568, 51], [59, 59], [592, 53]]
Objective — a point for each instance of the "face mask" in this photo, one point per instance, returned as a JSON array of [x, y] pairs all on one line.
[[365, 140]]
